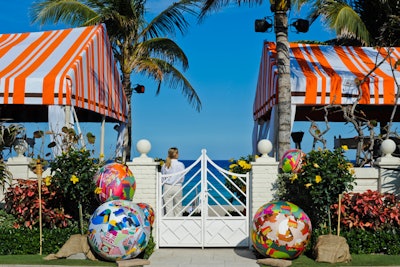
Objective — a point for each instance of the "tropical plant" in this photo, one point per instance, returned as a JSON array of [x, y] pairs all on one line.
[[324, 175], [369, 210], [138, 46], [72, 176], [8, 135], [22, 201]]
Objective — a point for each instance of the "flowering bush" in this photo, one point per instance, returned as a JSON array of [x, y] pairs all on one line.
[[240, 166], [72, 175], [324, 175]]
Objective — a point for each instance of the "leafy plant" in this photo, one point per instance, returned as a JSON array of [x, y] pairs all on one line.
[[324, 175], [369, 210], [22, 201], [72, 176], [235, 185]]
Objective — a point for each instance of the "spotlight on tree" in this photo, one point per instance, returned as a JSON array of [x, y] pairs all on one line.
[[301, 25], [262, 25], [139, 89]]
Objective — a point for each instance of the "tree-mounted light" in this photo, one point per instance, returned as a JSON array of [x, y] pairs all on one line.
[[301, 25], [139, 89], [262, 25]]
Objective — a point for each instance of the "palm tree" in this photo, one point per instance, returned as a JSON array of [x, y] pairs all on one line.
[[138, 46], [280, 9]]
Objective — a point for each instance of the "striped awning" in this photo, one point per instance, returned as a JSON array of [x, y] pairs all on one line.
[[73, 67], [322, 75]]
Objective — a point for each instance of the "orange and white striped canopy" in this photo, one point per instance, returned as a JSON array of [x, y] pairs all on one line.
[[322, 75], [72, 67]]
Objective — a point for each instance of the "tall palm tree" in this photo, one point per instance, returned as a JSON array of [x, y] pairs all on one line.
[[280, 9], [138, 46]]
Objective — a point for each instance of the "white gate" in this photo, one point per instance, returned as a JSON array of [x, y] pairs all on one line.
[[212, 212]]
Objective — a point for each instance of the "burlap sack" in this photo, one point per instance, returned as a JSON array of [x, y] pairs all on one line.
[[75, 244], [332, 249]]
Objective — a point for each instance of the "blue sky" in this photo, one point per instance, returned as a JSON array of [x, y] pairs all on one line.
[[224, 56]]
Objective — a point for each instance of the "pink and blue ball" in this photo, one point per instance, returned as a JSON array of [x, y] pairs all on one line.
[[118, 230], [116, 181]]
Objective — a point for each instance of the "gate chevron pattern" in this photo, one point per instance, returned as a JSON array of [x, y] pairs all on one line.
[[210, 214]]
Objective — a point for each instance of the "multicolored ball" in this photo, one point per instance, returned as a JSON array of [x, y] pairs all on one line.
[[280, 229], [118, 230], [116, 181], [148, 211], [292, 161]]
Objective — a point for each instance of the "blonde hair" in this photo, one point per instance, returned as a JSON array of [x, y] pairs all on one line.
[[172, 154]]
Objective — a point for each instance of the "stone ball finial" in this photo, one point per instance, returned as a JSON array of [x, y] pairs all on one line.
[[388, 146], [264, 146], [143, 146]]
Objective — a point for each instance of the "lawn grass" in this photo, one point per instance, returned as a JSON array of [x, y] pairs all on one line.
[[357, 260], [38, 260]]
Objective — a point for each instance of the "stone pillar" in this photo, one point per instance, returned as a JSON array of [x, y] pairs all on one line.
[[389, 169], [263, 174], [145, 171]]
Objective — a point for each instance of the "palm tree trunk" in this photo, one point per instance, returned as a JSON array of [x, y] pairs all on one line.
[[127, 86], [284, 92]]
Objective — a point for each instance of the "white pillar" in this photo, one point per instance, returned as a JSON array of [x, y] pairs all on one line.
[[264, 173], [145, 171], [389, 169]]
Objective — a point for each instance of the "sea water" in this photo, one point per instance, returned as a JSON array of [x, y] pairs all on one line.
[[220, 195]]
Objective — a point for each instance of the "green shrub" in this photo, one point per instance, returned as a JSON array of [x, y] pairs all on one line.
[[23, 241]]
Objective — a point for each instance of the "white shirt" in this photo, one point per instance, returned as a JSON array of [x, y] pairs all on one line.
[[176, 166]]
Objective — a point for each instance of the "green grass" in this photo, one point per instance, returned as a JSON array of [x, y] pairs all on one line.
[[357, 260], [38, 260]]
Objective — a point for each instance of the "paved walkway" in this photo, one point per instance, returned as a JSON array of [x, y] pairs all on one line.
[[209, 257]]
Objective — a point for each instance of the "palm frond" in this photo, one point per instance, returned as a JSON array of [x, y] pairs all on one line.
[[344, 20], [172, 20], [163, 72], [165, 49], [72, 12], [212, 6]]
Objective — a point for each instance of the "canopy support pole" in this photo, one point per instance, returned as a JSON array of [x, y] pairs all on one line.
[[102, 137]]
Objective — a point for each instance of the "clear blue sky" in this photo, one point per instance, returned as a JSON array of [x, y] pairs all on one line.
[[224, 56]]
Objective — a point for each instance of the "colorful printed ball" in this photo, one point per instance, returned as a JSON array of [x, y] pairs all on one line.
[[292, 160], [116, 181], [281, 230], [148, 211], [118, 230]]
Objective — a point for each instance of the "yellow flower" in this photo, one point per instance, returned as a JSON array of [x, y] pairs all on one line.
[[101, 155], [308, 185], [74, 179], [242, 163], [234, 177], [318, 179], [345, 147], [232, 166], [316, 165], [47, 180], [293, 177], [98, 190]]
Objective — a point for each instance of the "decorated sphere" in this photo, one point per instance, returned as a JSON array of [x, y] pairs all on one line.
[[118, 230], [292, 160], [116, 181], [148, 211], [280, 229]]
